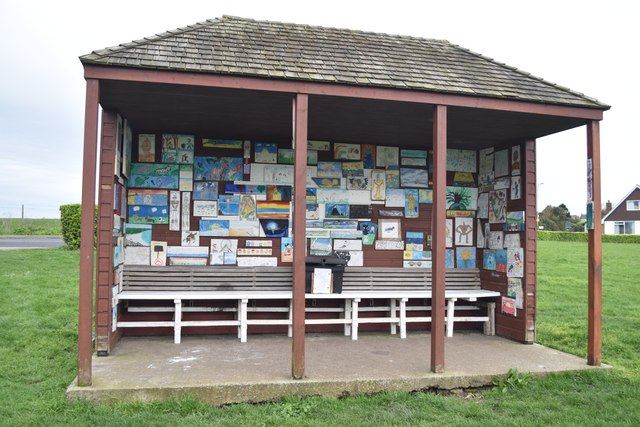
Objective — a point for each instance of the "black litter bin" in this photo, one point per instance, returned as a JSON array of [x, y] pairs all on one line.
[[335, 264]]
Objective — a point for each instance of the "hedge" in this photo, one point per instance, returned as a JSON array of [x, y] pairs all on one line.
[[565, 236], [71, 218]]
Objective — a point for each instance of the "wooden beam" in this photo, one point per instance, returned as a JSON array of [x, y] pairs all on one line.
[[594, 333], [313, 88], [85, 297], [438, 231], [300, 122]]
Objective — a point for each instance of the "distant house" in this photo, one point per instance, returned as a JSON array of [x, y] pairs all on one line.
[[624, 218]]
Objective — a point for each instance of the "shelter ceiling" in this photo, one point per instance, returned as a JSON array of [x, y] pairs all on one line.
[[259, 115]]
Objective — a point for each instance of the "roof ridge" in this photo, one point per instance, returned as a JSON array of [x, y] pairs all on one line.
[[525, 73], [146, 40], [322, 27]]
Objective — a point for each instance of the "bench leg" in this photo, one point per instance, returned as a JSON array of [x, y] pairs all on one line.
[[177, 321], [242, 308], [290, 327], [347, 317], [490, 325], [451, 304], [392, 313], [354, 319], [403, 318]]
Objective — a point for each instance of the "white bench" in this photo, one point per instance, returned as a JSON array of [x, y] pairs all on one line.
[[251, 284]]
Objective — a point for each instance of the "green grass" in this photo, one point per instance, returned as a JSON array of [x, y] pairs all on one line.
[[38, 358], [30, 226]]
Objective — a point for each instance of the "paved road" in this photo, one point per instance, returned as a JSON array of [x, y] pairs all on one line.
[[30, 242]]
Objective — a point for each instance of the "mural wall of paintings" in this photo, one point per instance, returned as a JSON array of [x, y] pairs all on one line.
[[371, 199]]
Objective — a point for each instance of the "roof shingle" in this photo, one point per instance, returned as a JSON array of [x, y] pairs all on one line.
[[239, 46]]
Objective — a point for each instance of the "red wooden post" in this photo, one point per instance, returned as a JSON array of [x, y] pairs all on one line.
[[594, 333], [438, 230], [85, 297], [300, 121]]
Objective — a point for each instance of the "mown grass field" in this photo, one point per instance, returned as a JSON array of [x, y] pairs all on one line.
[[38, 358], [31, 226]]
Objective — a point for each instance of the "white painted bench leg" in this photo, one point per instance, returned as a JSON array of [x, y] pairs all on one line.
[[490, 324], [403, 318], [290, 327], [392, 313], [451, 303], [177, 321], [242, 307], [354, 319], [347, 317]]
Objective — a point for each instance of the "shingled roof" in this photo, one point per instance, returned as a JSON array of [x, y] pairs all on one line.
[[274, 50]]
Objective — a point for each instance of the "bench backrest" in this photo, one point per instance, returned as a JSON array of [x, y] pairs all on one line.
[[196, 278]]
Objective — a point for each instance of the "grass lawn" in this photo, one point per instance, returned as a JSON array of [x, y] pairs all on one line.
[[38, 356], [31, 226]]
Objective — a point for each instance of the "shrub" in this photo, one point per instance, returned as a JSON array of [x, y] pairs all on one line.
[[565, 236], [71, 219]]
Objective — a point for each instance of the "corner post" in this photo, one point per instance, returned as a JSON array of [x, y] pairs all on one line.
[[594, 333], [438, 230], [85, 297], [300, 122]]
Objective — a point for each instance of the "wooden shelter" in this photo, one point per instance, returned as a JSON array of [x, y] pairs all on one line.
[[241, 79]]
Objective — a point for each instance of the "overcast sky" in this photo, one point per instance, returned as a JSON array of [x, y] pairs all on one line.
[[588, 46]]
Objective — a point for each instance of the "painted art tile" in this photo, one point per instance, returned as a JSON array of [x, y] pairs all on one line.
[[353, 169], [329, 170], [207, 208], [495, 240], [369, 232], [515, 290], [174, 211], [247, 207], [281, 174], [414, 240], [232, 144], [148, 214], [272, 209], [153, 175], [347, 244], [411, 161], [319, 145], [461, 179], [312, 211], [395, 198], [244, 228], [497, 206], [464, 231], [259, 243], [320, 246], [346, 151], [286, 249], [213, 227], [312, 157], [266, 152], [275, 227], [486, 174], [137, 255], [418, 154], [515, 160], [228, 205], [146, 148], [224, 251], [158, 253], [218, 169], [245, 189], [336, 210], [461, 160], [449, 258], [501, 161], [330, 195], [360, 211], [137, 234], [411, 207], [346, 224], [378, 184], [358, 182], [187, 251], [368, 156], [516, 188], [186, 178], [501, 260], [489, 259], [185, 157], [328, 182], [285, 156], [148, 197], [205, 190], [425, 196], [414, 178], [190, 238], [387, 156], [483, 205], [185, 220], [449, 233], [480, 236], [502, 183], [515, 262], [512, 241], [466, 257], [392, 176], [312, 195], [279, 192], [462, 198]]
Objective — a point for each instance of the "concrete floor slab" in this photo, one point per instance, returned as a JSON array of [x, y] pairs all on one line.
[[221, 370]]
